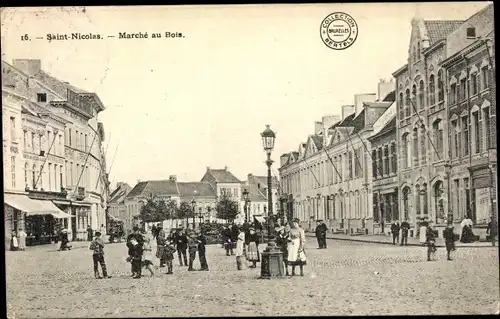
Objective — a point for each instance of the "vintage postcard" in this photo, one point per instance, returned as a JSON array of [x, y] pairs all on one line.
[[250, 160]]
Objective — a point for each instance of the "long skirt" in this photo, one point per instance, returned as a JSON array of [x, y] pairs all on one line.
[[294, 256], [22, 242], [14, 244], [467, 235], [253, 252]]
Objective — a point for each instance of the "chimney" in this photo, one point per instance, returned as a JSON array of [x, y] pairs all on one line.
[[138, 181], [384, 88], [347, 110], [208, 168], [225, 168], [318, 127], [360, 98], [28, 66], [173, 178]]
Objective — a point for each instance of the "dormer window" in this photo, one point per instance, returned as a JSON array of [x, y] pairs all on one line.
[[258, 185], [471, 33], [41, 97]]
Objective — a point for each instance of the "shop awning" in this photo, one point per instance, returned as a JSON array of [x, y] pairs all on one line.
[[48, 208], [22, 203]]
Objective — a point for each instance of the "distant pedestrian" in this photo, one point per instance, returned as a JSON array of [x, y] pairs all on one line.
[[296, 245], [395, 232], [192, 248], [405, 226], [422, 233], [430, 241], [181, 243], [147, 256], [97, 247], [467, 234], [161, 242], [321, 230], [169, 257], [240, 250], [14, 243], [202, 241], [103, 230], [252, 242], [235, 230], [136, 258], [89, 233], [492, 230], [153, 231], [64, 241], [449, 238], [22, 239], [227, 238]]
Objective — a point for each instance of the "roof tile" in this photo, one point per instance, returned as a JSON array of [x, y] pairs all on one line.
[[223, 176], [439, 29], [194, 189]]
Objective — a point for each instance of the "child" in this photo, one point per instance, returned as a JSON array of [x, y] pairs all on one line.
[[147, 256], [97, 246], [169, 256], [136, 250]]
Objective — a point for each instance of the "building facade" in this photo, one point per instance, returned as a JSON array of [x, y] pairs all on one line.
[[49, 171], [384, 155], [329, 177], [471, 109], [258, 190]]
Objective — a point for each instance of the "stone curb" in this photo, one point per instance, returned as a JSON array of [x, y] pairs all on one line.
[[409, 244]]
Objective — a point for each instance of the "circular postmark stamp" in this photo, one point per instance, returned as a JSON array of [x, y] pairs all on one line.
[[338, 31]]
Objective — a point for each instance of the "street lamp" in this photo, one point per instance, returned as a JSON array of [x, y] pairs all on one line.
[[247, 201], [272, 257], [449, 217], [193, 203]]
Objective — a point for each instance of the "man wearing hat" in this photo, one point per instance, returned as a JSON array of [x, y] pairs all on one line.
[[181, 243], [321, 230]]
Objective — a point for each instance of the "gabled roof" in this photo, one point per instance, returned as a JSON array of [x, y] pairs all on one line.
[[195, 189], [255, 194], [391, 97], [119, 194], [391, 125], [439, 29], [219, 176], [60, 87], [318, 141], [262, 181], [162, 187]]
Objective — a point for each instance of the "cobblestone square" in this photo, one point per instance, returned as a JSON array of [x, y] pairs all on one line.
[[348, 278]]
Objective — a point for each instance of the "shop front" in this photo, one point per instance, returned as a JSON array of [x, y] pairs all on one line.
[[481, 195], [40, 219]]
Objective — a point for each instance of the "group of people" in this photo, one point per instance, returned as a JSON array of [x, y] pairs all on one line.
[[243, 242], [18, 240], [396, 228]]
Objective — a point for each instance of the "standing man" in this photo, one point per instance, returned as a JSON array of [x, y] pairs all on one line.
[[153, 231], [227, 238], [202, 241], [405, 227], [395, 232], [492, 230], [181, 243], [449, 238], [160, 245], [430, 241], [97, 246], [321, 234], [193, 248], [235, 231], [89, 233]]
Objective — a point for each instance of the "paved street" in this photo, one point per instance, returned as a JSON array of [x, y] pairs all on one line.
[[347, 279]]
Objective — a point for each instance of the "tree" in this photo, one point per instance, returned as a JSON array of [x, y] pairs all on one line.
[[161, 210], [185, 210], [227, 208], [148, 211], [172, 209]]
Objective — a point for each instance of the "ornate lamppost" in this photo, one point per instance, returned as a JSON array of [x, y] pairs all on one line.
[[193, 203], [272, 257], [247, 201]]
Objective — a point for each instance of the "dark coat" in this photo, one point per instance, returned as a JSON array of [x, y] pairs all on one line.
[[181, 241], [405, 226], [202, 241], [227, 234], [252, 238], [321, 230], [395, 228]]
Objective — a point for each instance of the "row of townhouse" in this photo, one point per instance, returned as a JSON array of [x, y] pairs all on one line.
[[126, 202], [433, 151], [54, 166]]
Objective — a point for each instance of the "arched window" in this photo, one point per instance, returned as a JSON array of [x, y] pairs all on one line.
[[401, 105], [423, 193], [417, 199], [406, 150], [437, 132], [413, 98], [440, 86], [407, 102], [26, 175], [394, 158], [432, 90], [423, 146], [421, 95]]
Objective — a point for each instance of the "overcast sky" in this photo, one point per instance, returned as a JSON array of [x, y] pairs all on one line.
[[176, 106]]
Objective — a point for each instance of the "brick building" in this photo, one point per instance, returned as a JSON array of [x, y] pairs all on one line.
[[471, 106]]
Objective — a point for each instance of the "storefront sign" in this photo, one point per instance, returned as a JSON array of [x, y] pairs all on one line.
[[55, 159], [32, 157]]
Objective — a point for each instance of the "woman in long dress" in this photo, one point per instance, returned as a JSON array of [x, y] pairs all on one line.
[[240, 250], [22, 239], [295, 247], [282, 243], [252, 242], [14, 244]]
